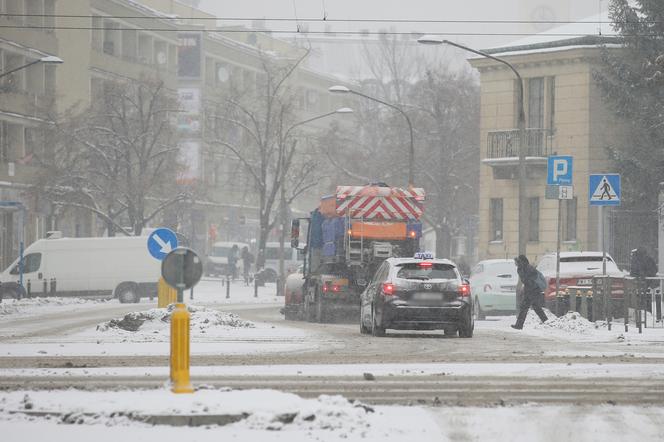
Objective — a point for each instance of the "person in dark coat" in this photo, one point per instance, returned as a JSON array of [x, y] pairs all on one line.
[[641, 264], [247, 261], [232, 261], [532, 295]]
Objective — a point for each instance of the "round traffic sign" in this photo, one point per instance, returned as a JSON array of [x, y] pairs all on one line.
[[161, 242], [182, 268]]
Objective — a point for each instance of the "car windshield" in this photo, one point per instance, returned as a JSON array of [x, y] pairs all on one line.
[[426, 270], [586, 264]]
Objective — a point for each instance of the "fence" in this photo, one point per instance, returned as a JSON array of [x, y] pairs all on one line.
[[616, 297]]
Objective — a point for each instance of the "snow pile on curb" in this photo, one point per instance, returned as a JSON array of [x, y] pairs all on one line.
[[571, 322], [256, 410], [158, 319], [16, 306]]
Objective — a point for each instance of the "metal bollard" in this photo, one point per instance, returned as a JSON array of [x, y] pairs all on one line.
[[180, 350], [228, 286], [191, 293], [29, 284], [577, 301], [589, 302], [658, 305], [559, 303], [53, 287], [256, 276], [45, 289], [606, 290], [571, 299]]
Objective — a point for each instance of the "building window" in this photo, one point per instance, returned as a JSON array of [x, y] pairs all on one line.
[[533, 219], [496, 209], [568, 216], [535, 102], [551, 103]]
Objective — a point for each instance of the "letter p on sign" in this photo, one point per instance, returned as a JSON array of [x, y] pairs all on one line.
[[559, 170]]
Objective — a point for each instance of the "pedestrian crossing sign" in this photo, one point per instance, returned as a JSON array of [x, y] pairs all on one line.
[[604, 189]]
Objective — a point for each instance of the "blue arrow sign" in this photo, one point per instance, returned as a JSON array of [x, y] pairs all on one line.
[[161, 242], [559, 170], [604, 189]]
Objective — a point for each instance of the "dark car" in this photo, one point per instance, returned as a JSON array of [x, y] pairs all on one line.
[[417, 294]]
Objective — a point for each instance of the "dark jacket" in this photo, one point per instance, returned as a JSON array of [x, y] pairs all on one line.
[[641, 264], [528, 277]]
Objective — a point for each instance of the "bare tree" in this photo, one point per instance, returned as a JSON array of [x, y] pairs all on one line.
[[118, 159], [254, 125], [444, 109]]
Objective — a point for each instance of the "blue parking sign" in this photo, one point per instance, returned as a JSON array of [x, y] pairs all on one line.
[[559, 170]]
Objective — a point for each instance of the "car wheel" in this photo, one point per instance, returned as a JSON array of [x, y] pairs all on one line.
[[128, 293], [14, 291], [376, 328], [363, 330], [479, 314], [269, 275], [467, 326]]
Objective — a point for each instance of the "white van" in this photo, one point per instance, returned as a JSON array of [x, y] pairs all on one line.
[[292, 260], [217, 259], [117, 267]]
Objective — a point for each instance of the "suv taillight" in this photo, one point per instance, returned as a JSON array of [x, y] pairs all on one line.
[[388, 288], [464, 290], [334, 288]]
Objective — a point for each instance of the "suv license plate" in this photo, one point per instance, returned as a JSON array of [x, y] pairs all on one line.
[[428, 296]]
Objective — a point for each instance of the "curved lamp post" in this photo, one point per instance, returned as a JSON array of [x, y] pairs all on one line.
[[282, 238], [521, 126], [411, 152], [49, 59]]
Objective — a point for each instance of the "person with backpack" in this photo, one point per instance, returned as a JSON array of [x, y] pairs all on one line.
[[533, 283]]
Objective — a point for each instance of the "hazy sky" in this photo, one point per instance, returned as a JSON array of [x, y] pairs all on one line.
[[344, 60], [413, 10]]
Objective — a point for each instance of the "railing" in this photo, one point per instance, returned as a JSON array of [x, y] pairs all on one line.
[[505, 143]]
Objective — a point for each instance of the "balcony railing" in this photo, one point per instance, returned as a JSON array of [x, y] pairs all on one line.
[[505, 143]]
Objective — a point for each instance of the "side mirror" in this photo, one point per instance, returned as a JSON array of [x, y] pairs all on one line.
[[295, 233]]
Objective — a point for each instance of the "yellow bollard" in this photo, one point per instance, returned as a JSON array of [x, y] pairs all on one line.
[[180, 350], [166, 294]]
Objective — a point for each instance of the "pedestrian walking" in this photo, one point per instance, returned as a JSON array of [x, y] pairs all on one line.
[[247, 261], [533, 295], [232, 261]]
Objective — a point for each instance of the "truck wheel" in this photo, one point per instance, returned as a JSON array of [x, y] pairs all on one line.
[[376, 328], [128, 293], [308, 310], [291, 314], [321, 310]]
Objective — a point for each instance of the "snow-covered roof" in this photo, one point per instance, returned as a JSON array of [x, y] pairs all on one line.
[[586, 33]]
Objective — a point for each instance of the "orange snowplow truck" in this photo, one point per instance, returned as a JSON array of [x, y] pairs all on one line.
[[346, 239]]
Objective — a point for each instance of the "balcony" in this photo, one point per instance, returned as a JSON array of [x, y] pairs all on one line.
[[502, 150]]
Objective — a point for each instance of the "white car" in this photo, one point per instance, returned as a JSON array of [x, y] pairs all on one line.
[[577, 269], [493, 287]]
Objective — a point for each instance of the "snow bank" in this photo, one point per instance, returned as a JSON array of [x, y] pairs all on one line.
[[571, 322], [18, 306], [157, 320], [255, 412]]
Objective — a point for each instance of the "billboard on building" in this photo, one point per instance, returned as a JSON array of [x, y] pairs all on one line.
[[189, 120], [189, 55]]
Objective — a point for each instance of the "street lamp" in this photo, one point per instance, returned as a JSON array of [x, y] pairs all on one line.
[[411, 156], [521, 126], [49, 59], [283, 214]]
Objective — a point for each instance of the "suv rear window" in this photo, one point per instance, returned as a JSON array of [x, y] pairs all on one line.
[[415, 270], [585, 259]]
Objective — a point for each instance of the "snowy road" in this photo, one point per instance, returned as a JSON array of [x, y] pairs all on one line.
[[62, 349]]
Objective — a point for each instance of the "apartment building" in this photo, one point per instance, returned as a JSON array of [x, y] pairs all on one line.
[[26, 96], [565, 115]]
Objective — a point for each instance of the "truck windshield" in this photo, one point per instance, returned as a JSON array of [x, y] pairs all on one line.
[[416, 270]]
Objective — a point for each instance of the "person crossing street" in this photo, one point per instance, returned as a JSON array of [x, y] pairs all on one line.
[[532, 293]]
